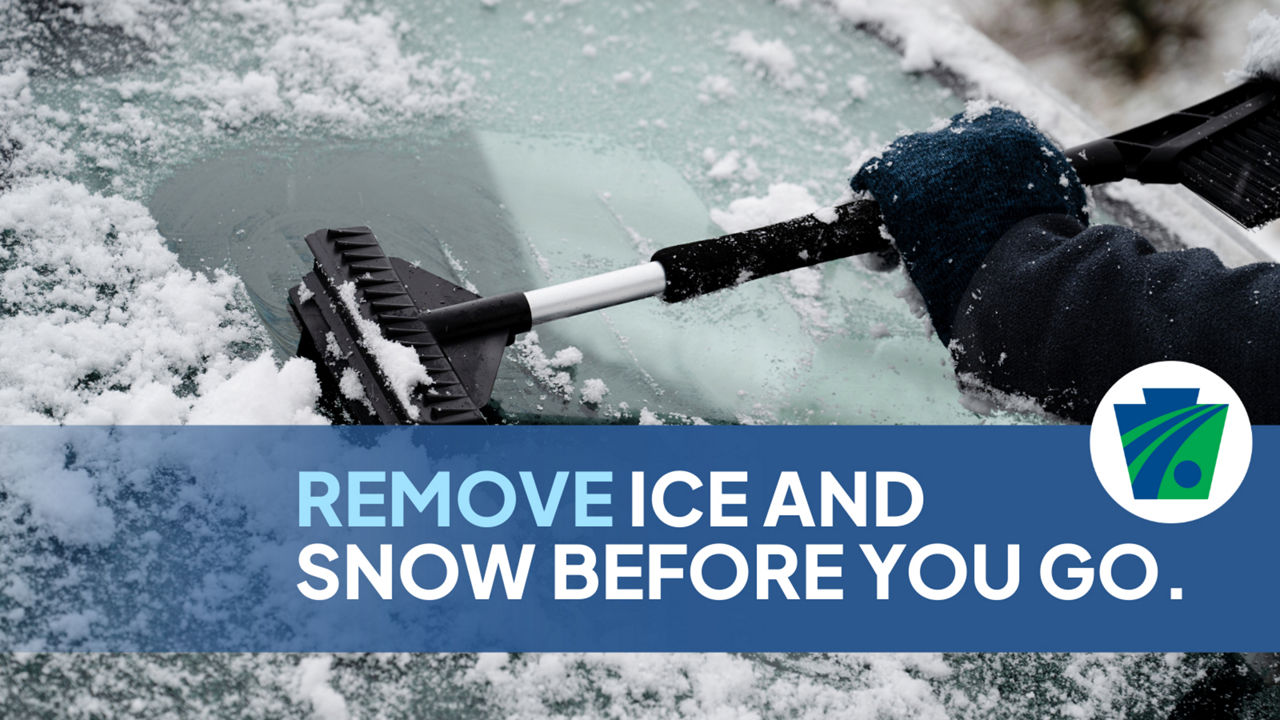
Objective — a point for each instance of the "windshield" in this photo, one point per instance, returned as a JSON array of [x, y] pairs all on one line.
[[612, 132], [504, 144]]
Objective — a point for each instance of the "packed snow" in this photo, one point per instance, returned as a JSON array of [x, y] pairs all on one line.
[[730, 166], [398, 363], [773, 56], [331, 65], [315, 678], [1262, 55], [594, 390], [782, 202], [113, 329], [859, 87], [106, 328], [550, 372], [716, 87], [566, 358]]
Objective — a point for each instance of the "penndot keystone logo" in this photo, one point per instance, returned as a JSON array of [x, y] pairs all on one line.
[[1171, 442]]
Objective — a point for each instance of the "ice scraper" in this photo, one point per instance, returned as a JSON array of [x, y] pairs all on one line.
[[373, 323]]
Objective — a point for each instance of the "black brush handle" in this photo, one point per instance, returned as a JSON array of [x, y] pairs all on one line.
[[1100, 161], [698, 268], [1152, 152], [701, 267]]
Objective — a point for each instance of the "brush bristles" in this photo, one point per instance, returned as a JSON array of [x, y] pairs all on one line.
[[1238, 170]]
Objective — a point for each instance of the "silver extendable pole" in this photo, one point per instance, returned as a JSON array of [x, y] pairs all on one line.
[[596, 292]]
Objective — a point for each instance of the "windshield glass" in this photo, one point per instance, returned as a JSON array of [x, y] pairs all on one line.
[[505, 145], [611, 132]]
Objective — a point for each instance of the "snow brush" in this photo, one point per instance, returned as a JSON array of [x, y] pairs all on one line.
[[1225, 149], [374, 323]]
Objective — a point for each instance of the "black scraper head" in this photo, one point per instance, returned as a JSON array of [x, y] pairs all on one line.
[[391, 295]]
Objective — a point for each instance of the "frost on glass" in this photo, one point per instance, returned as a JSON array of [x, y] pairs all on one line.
[[503, 143], [596, 135]]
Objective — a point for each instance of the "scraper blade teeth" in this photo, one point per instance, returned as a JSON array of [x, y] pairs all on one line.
[[351, 237], [354, 244], [458, 412], [374, 264], [355, 231], [381, 290], [359, 246], [394, 306], [402, 329], [379, 277], [403, 316], [425, 345], [352, 255]]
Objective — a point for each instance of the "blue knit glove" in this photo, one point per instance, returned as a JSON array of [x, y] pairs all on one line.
[[948, 196]]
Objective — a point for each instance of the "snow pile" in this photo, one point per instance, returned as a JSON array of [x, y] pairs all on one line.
[[27, 142], [399, 364], [859, 87], [981, 107], [351, 387], [730, 165], [726, 166], [325, 63], [806, 281], [783, 202], [566, 358], [549, 371], [62, 501], [713, 685], [149, 20], [771, 56], [827, 214], [230, 392], [279, 67], [315, 677], [232, 100], [1262, 55], [593, 391], [98, 323], [553, 372], [538, 686], [716, 87]]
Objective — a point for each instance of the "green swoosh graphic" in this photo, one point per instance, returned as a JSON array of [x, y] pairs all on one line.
[[1136, 466]]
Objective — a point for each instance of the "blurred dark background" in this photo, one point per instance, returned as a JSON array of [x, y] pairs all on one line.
[[1123, 60]]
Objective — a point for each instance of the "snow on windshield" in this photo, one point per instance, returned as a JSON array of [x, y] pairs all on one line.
[[648, 122], [159, 162]]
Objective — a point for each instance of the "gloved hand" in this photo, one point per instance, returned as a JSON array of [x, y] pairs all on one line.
[[948, 196]]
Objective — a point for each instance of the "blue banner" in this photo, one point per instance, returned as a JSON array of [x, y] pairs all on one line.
[[613, 539]]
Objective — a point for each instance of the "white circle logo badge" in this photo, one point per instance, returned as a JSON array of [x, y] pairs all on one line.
[[1171, 442]]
